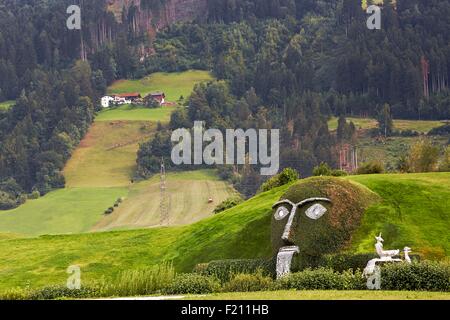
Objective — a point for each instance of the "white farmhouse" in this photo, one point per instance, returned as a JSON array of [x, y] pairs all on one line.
[[106, 101]]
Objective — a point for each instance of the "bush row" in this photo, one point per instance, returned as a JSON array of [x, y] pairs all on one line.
[[424, 276], [224, 270]]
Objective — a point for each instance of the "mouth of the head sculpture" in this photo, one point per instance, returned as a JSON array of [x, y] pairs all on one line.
[[284, 260]]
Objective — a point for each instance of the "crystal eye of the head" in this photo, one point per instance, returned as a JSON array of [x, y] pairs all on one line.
[[281, 213], [315, 211]]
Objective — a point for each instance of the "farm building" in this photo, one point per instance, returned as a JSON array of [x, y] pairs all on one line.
[[133, 96], [106, 101], [160, 97]]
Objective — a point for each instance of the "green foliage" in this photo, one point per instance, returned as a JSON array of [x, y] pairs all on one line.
[[325, 170], [288, 175], [322, 279], [427, 275], [228, 204], [248, 283], [372, 167], [423, 156], [60, 291], [191, 283], [224, 270], [144, 281]]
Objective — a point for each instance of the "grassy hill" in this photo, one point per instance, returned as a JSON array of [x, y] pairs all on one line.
[[174, 85], [414, 212]]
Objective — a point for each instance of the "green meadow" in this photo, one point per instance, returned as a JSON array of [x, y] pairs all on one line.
[[413, 212], [135, 113], [174, 85], [422, 126], [6, 104]]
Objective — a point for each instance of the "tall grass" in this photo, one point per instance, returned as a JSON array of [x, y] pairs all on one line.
[[144, 281]]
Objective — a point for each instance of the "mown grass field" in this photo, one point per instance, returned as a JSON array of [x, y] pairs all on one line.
[[174, 85], [326, 295], [414, 212], [422, 126], [6, 104], [188, 201]]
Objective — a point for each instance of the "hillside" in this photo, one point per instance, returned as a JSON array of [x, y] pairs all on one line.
[[102, 167], [414, 212]]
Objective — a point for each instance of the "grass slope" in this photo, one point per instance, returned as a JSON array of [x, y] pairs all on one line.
[[188, 194], [414, 212], [130, 113], [106, 157], [174, 85], [368, 123], [72, 210]]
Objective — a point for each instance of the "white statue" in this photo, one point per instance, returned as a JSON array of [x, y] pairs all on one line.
[[384, 256]]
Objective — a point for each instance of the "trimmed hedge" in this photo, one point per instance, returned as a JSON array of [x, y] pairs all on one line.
[[55, 292], [322, 279], [225, 269], [427, 276], [191, 283], [248, 283]]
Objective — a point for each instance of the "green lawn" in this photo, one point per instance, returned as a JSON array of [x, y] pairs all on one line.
[[6, 104], [368, 123], [173, 85], [326, 295], [414, 213], [130, 113]]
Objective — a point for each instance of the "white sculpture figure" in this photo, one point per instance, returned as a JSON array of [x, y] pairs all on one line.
[[385, 255], [407, 250]]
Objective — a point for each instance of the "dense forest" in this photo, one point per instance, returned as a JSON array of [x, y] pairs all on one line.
[[287, 64], [292, 64]]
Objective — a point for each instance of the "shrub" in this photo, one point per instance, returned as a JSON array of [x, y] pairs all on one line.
[[228, 204], [59, 291], [322, 279], [140, 281], [224, 270], [325, 170], [338, 173], [423, 156], [192, 283], [322, 170], [342, 262], [286, 176], [429, 276], [373, 167], [248, 283], [34, 195], [15, 294]]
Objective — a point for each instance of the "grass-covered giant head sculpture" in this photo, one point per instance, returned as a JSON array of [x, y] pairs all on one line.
[[319, 216]]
